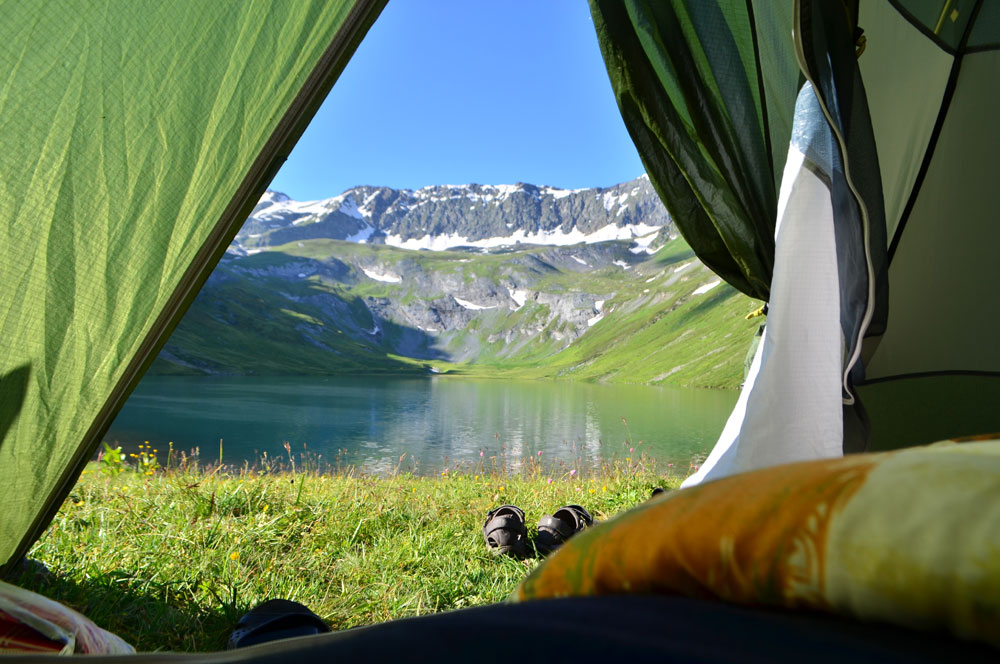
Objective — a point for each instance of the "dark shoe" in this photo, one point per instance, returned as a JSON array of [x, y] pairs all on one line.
[[564, 523], [657, 491], [276, 619], [505, 532]]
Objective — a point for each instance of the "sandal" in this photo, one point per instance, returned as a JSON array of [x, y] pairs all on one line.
[[505, 532], [564, 523], [276, 619]]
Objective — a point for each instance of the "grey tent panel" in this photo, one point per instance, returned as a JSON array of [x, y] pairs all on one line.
[[893, 43], [916, 410], [942, 309]]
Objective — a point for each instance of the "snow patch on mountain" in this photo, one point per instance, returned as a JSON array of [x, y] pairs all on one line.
[[361, 236], [643, 243], [683, 267], [701, 290], [519, 296], [472, 305], [388, 278], [350, 207], [557, 237]]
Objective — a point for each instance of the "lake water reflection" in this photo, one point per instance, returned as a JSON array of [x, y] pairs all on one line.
[[437, 422]]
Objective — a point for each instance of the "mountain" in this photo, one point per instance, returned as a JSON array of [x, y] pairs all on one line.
[[448, 216], [335, 286]]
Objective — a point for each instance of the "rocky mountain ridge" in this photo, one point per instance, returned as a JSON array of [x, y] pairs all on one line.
[[449, 216]]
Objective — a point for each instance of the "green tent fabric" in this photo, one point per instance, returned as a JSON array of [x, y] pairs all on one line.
[[708, 104], [137, 136], [705, 90]]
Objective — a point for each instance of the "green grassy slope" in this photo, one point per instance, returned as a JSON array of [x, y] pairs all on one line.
[[656, 330], [251, 327], [306, 307]]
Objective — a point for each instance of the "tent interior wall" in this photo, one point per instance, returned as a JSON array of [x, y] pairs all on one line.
[[936, 370]]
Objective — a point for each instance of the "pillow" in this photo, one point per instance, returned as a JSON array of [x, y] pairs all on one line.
[[910, 537]]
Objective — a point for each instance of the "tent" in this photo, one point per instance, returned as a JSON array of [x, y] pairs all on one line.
[[137, 137], [833, 160]]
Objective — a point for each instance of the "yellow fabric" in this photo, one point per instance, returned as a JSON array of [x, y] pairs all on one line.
[[910, 537]]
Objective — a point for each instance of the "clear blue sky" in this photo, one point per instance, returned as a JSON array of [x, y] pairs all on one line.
[[459, 91]]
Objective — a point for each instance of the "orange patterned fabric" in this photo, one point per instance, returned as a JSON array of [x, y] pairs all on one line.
[[735, 539], [911, 537]]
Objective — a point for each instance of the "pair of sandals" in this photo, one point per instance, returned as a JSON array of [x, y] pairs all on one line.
[[505, 531]]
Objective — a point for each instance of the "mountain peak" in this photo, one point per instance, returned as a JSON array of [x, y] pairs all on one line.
[[272, 196], [470, 215]]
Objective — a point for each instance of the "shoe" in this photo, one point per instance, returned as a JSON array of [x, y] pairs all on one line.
[[505, 532], [560, 526], [276, 619]]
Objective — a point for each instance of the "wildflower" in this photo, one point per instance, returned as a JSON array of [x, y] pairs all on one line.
[[79, 504], [264, 508], [539, 453], [630, 450], [592, 491], [550, 481], [670, 465], [604, 488], [502, 488], [480, 453], [476, 477], [235, 555], [572, 473], [628, 458]]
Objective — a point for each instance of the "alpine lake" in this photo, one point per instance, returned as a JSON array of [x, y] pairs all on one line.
[[380, 425]]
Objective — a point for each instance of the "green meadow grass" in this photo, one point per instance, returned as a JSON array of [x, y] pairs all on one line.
[[657, 327], [169, 559]]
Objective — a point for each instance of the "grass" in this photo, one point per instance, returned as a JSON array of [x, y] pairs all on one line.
[[170, 558], [657, 327]]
